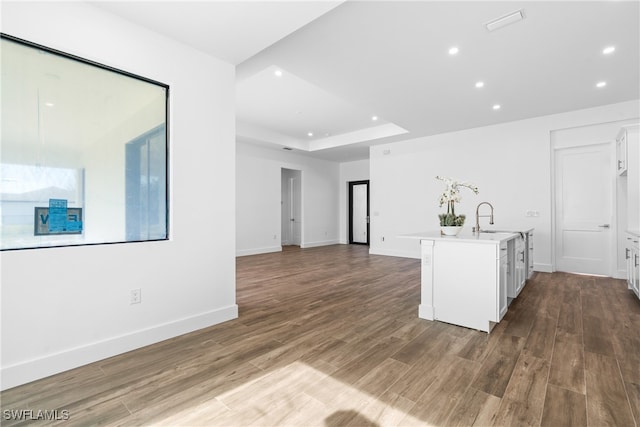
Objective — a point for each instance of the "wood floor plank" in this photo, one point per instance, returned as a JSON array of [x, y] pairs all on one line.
[[633, 394], [495, 373], [567, 367], [627, 349], [330, 336], [564, 407], [516, 413], [388, 410], [541, 337], [523, 399], [529, 381], [361, 365], [570, 316], [440, 399], [521, 324], [607, 402], [480, 344], [378, 380], [475, 408], [597, 338]]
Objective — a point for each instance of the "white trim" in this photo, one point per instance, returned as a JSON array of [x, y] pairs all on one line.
[[401, 254], [320, 243], [621, 274], [31, 370], [426, 312], [543, 268], [257, 251]]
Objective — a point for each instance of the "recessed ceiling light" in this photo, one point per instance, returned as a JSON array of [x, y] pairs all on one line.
[[309, 133], [601, 84], [609, 49], [479, 84], [278, 73], [496, 107], [504, 20], [374, 118], [454, 50], [49, 104]]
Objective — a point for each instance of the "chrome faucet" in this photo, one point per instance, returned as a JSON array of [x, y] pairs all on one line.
[[477, 227]]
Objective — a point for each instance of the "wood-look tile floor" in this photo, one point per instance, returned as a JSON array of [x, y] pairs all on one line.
[[330, 337]]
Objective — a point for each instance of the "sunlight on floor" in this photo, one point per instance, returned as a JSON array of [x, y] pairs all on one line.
[[295, 395]]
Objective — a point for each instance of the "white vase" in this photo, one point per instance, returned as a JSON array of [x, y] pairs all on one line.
[[450, 230]]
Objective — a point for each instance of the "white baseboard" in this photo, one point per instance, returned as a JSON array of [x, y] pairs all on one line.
[[257, 251], [400, 254], [35, 369], [320, 243], [426, 312], [544, 268]]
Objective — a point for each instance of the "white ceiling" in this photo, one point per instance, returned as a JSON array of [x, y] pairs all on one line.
[[343, 63]]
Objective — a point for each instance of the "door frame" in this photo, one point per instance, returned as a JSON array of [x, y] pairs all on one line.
[[556, 149], [350, 221], [286, 175]]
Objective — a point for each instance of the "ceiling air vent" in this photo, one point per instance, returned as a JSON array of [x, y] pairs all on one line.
[[505, 20]]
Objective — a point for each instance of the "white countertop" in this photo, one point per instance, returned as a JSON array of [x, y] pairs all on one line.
[[465, 236]]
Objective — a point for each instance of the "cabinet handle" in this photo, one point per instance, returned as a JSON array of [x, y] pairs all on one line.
[[626, 253], [636, 260]]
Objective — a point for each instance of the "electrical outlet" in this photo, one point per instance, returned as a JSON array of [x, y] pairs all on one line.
[[136, 296]]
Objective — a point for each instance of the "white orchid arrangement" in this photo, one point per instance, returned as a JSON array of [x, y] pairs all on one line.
[[450, 196]]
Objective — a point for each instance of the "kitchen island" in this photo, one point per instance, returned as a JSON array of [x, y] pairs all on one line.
[[470, 279]]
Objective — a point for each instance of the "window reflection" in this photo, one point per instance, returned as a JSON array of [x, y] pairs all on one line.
[[86, 137]]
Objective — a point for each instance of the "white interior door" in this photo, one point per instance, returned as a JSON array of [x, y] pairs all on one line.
[[360, 218], [291, 214], [584, 179]]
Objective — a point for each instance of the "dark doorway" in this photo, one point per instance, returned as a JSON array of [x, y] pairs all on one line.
[[359, 212]]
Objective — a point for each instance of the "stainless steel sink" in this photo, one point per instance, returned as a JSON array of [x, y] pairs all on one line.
[[501, 231]]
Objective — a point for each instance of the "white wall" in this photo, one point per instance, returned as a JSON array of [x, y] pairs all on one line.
[[65, 307], [258, 193], [510, 163], [349, 171]]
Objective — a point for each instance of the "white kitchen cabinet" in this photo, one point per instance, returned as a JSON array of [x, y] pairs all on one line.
[[529, 252], [506, 279], [465, 279], [633, 263], [467, 286], [520, 264]]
